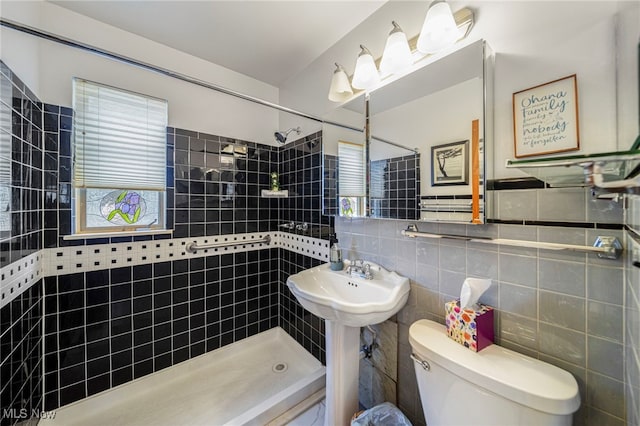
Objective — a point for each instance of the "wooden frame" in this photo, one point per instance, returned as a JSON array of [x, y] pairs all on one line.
[[450, 164], [545, 118]]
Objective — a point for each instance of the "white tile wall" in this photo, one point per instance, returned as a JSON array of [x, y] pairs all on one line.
[[17, 277]]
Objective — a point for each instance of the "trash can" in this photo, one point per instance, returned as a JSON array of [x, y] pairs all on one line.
[[385, 414]]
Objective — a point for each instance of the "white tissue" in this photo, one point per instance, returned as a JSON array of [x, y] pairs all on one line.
[[472, 289]]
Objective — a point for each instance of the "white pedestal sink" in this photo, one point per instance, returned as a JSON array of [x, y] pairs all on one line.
[[346, 303]]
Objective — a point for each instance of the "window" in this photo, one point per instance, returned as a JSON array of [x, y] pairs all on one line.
[[351, 178], [119, 169]]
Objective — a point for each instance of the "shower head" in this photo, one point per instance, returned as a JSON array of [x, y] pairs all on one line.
[[282, 136]]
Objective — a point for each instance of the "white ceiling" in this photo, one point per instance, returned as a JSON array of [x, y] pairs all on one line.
[[267, 40]]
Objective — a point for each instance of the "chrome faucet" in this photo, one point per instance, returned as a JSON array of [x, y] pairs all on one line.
[[359, 267]]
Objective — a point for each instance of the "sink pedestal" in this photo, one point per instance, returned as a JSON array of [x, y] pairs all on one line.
[[347, 302], [343, 360]]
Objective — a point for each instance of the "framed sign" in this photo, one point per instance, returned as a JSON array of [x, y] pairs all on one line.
[[450, 164], [545, 118]]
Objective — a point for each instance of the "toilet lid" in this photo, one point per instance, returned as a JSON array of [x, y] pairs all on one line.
[[522, 379]]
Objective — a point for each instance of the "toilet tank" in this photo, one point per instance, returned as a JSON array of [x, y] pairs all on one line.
[[495, 386]]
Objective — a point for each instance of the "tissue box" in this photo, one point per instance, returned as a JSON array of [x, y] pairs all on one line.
[[470, 327]]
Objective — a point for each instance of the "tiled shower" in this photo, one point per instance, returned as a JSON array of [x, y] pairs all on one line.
[[104, 311]]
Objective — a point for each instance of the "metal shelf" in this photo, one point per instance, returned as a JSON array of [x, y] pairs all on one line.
[[611, 171], [267, 193]]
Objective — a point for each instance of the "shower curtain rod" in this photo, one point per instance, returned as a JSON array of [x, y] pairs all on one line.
[[397, 145], [162, 71]]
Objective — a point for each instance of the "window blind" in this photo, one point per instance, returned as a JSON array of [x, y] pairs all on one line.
[[119, 138], [351, 169]]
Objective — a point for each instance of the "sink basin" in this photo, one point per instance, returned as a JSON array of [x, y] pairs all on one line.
[[350, 300]]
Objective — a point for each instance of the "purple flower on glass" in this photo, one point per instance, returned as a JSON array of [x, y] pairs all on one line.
[[128, 205]]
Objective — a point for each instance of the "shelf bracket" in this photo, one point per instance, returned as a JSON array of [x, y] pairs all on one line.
[[611, 245]]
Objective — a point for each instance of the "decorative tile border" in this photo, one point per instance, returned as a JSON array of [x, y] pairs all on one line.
[[19, 276], [312, 247]]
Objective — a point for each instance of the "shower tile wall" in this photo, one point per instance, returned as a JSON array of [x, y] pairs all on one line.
[[218, 183], [306, 328], [330, 185], [112, 325], [301, 173], [300, 168], [20, 168], [632, 311], [564, 308], [20, 218]]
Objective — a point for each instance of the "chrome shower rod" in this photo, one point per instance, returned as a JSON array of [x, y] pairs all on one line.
[[162, 71]]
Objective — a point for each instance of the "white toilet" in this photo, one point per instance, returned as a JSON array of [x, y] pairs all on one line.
[[494, 387]]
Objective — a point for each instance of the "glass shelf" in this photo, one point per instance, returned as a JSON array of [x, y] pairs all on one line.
[[282, 193], [613, 171]]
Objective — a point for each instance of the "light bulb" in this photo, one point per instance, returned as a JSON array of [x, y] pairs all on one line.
[[439, 30], [397, 55], [366, 74], [340, 89]]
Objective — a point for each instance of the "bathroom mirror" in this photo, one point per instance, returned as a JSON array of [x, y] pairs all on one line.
[[433, 127], [345, 160]]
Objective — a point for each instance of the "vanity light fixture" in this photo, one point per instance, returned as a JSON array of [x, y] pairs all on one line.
[[366, 74], [397, 54], [340, 89], [439, 30]]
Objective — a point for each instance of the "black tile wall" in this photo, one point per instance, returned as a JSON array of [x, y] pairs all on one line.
[[399, 192], [217, 185], [301, 174], [330, 185], [57, 176], [307, 329], [20, 168], [107, 327], [20, 217], [21, 357]]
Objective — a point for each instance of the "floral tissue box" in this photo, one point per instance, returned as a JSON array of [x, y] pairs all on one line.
[[472, 328]]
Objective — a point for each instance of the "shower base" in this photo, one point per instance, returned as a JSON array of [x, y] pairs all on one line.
[[249, 382]]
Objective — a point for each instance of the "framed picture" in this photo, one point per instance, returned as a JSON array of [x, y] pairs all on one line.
[[450, 164], [545, 118]]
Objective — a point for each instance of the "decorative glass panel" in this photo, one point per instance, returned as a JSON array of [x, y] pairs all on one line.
[[112, 209]]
